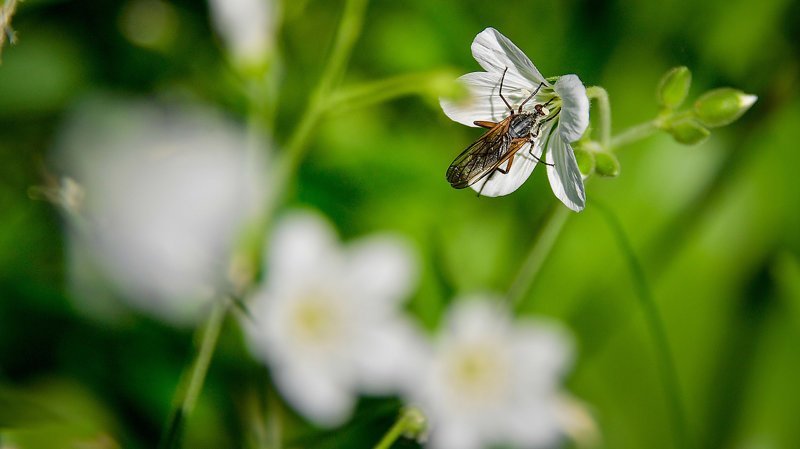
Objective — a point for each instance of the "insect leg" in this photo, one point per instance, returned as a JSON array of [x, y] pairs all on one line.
[[531, 96], [484, 124], [502, 78], [489, 178], [530, 151]]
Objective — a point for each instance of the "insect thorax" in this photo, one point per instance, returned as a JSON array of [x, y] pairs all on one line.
[[521, 125]]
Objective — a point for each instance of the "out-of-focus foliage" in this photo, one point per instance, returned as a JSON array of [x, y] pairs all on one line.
[[716, 225]]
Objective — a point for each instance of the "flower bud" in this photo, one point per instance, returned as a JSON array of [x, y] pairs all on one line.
[[674, 86], [415, 424], [606, 164], [720, 107], [585, 160], [687, 131]]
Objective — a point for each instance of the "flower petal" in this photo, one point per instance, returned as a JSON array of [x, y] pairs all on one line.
[[564, 175], [574, 117], [381, 269], [316, 394], [483, 101], [499, 184], [494, 52], [302, 243]]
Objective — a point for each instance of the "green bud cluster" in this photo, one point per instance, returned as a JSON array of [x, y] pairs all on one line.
[[715, 108], [592, 159]]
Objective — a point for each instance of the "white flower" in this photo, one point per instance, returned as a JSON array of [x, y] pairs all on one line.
[[327, 319], [568, 117], [247, 27], [164, 190], [492, 381]]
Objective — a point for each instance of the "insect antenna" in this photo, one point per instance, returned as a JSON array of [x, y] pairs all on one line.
[[531, 96]]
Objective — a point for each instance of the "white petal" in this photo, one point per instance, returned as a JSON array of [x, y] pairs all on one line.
[[391, 357], [381, 269], [483, 101], [574, 117], [564, 175], [316, 394], [302, 243], [494, 52], [499, 184]]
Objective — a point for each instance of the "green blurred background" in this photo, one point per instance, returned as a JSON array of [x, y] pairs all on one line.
[[716, 226]]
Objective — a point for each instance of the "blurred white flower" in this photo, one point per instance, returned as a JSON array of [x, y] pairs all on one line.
[[164, 191], [491, 380], [566, 121], [247, 27], [328, 321]]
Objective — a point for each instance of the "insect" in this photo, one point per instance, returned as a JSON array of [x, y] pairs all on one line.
[[499, 144]]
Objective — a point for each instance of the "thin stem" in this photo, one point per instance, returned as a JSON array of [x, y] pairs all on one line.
[[410, 423], [395, 432], [604, 114], [189, 393], [383, 90], [537, 255], [348, 32], [655, 323], [634, 133]]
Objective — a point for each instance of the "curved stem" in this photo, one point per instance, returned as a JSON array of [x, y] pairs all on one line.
[[551, 229], [634, 133], [655, 323], [349, 29], [384, 90], [410, 423], [191, 385], [604, 118]]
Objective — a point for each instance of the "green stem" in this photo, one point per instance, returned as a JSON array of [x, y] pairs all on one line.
[[634, 133], [551, 229], [192, 384], [395, 432], [348, 32], [387, 89], [604, 114], [655, 323], [410, 423]]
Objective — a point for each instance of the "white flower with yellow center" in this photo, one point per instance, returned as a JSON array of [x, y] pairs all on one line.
[[566, 119], [492, 381], [328, 321]]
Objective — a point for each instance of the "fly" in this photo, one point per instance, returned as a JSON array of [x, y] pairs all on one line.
[[499, 144]]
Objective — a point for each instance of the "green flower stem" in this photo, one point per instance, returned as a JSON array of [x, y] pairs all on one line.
[[655, 323], [191, 385], [384, 90], [635, 133], [410, 423], [551, 229], [349, 30], [604, 114]]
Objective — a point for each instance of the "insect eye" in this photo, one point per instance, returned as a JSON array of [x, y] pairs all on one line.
[[545, 111]]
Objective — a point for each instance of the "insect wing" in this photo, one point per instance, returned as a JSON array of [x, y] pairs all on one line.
[[482, 157]]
